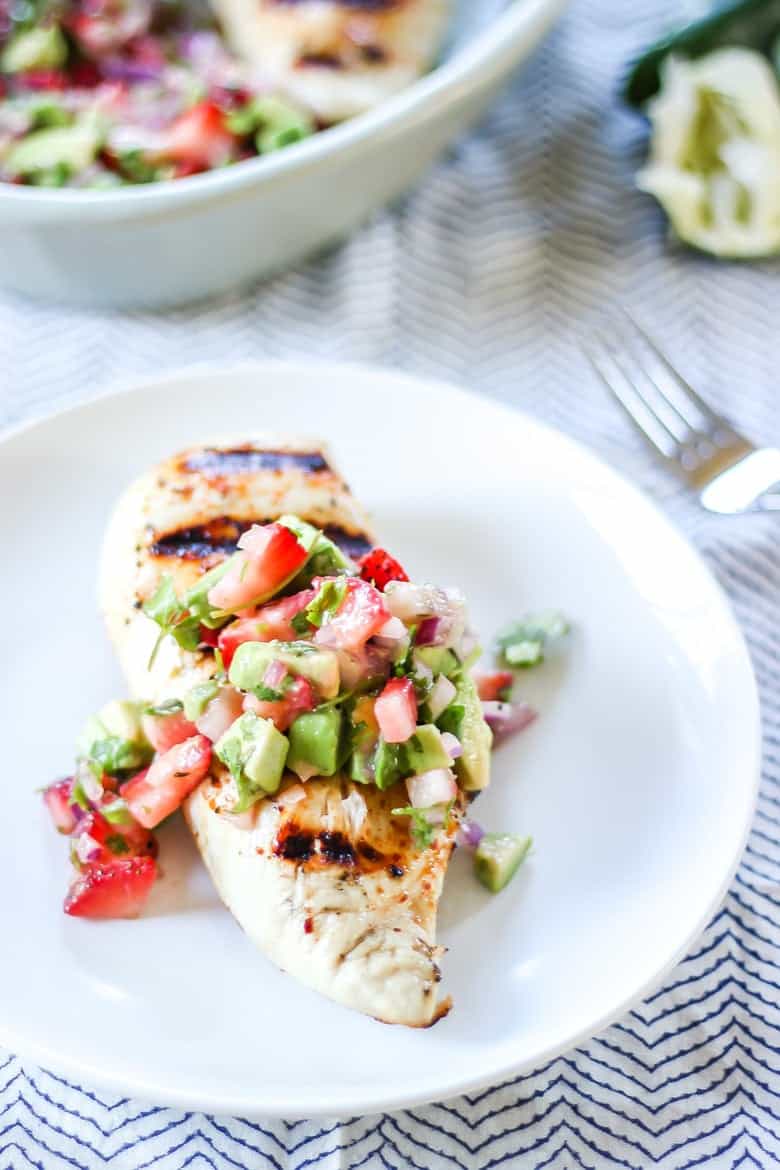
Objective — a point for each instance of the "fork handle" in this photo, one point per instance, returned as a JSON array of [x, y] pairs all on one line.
[[748, 485]]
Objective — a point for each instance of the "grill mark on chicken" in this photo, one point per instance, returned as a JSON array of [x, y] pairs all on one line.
[[223, 534], [329, 849], [214, 461]]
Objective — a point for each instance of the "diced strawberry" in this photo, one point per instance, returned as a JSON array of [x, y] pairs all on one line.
[[269, 556], [199, 138], [154, 794], [118, 890], [85, 75], [379, 568], [396, 711], [361, 614], [165, 731], [494, 686], [57, 798], [98, 841], [297, 699], [43, 79], [268, 623], [209, 637]]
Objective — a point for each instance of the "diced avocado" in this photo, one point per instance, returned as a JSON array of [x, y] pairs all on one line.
[[72, 146], [438, 658], [122, 718], [364, 732], [389, 764], [425, 751], [317, 740], [196, 598], [255, 752], [198, 698], [476, 738], [252, 659], [498, 858], [37, 48], [361, 768]]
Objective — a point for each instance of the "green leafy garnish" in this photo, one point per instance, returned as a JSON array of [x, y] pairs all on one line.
[[169, 707], [422, 827], [267, 694], [523, 644], [134, 166], [49, 114], [172, 617], [300, 624], [327, 602], [117, 844], [116, 756]]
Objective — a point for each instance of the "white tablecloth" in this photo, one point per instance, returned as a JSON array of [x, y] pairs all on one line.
[[486, 275]]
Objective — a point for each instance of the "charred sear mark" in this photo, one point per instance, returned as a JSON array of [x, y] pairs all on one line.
[[319, 61], [395, 871], [295, 846], [352, 544], [215, 461], [335, 848], [218, 536], [369, 852]]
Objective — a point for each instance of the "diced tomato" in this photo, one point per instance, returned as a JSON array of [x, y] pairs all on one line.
[[118, 890], [221, 713], [268, 623], [379, 568], [103, 842], [396, 711], [154, 794], [296, 700], [361, 614], [164, 731], [200, 138], [494, 686], [269, 556], [57, 798]]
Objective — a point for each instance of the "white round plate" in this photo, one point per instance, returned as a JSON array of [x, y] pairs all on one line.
[[637, 782]]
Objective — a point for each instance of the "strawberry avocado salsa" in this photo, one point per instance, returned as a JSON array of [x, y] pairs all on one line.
[[104, 93], [314, 665]]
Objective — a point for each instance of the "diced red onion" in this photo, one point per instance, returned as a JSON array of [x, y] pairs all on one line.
[[275, 674], [393, 629], [442, 694], [221, 713], [126, 69], [93, 789], [470, 834], [505, 719], [452, 745], [432, 788], [87, 848], [429, 631]]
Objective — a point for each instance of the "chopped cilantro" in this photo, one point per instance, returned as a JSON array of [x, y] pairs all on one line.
[[172, 617], [423, 828], [116, 756], [301, 624], [117, 844], [266, 694]]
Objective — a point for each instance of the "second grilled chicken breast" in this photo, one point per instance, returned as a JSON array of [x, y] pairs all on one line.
[[321, 876], [337, 57]]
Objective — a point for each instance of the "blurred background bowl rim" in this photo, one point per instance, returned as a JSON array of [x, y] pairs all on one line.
[[456, 77]]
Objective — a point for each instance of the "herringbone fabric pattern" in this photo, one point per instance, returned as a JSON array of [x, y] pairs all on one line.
[[486, 275]]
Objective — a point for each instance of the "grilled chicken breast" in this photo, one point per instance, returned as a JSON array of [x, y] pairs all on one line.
[[321, 877], [337, 57]]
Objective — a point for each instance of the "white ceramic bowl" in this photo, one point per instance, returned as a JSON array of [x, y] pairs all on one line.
[[171, 242]]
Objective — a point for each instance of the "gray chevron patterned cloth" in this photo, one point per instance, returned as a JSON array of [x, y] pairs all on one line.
[[486, 275]]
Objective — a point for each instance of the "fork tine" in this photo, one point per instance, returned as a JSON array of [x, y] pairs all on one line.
[[678, 392], [622, 389]]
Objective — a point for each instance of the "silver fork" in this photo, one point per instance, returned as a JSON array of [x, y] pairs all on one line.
[[729, 473]]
